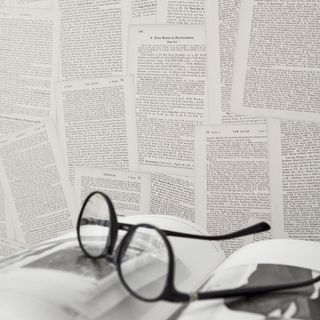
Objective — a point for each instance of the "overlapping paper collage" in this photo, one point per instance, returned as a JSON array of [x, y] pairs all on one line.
[[205, 110]]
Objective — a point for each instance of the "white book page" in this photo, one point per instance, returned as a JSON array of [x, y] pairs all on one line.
[[228, 27], [30, 307], [295, 173], [144, 11], [97, 123], [297, 253], [203, 12], [128, 190], [169, 64], [277, 73], [34, 176], [28, 66], [94, 37], [232, 180]]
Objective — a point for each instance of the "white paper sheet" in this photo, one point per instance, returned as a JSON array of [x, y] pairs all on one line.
[[34, 176], [94, 37], [28, 66], [97, 124], [232, 179], [294, 149], [277, 73], [169, 65]]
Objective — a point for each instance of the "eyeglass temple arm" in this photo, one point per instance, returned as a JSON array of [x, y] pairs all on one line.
[[256, 228], [247, 291]]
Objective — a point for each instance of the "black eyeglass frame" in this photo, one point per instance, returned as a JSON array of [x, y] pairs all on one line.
[[170, 293]]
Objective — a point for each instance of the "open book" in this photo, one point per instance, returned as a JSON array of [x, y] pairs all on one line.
[[267, 262], [56, 281]]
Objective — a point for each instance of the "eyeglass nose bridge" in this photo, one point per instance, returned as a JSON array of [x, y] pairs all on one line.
[[110, 252]]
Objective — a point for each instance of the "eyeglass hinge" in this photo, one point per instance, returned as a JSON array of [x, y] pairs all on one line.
[[193, 296]]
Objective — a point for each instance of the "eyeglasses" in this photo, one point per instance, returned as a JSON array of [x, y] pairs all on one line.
[[144, 257]]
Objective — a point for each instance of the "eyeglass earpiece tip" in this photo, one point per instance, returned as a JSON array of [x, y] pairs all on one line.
[[265, 226]]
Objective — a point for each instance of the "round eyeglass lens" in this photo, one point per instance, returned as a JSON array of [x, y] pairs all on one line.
[[94, 225], [144, 263]]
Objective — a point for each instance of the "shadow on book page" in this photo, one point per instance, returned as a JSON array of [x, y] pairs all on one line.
[[296, 304], [302, 303]]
